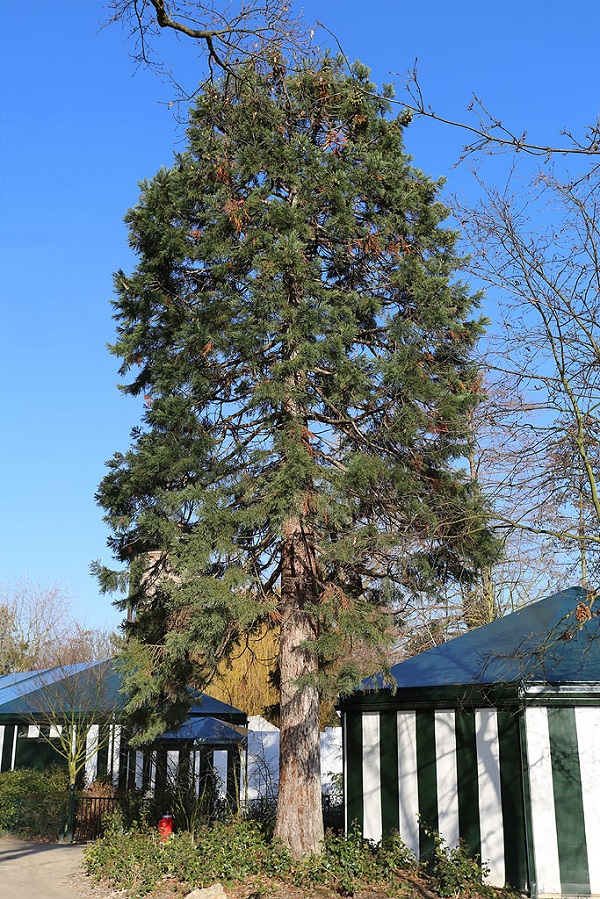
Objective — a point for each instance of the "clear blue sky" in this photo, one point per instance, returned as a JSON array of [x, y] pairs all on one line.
[[80, 126]]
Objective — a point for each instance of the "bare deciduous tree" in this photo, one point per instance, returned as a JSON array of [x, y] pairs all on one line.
[[538, 440], [72, 709], [38, 629]]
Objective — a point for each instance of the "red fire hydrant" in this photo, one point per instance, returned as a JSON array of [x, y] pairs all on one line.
[[165, 827]]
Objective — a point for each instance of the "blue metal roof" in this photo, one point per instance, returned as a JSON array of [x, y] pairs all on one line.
[[208, 705], [13, 686], [208, 731], [85, 688], [540, 643]]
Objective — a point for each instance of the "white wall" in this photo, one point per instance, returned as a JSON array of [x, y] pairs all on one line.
[[263, 758]]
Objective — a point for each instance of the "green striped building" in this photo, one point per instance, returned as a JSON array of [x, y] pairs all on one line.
[[493, 738]]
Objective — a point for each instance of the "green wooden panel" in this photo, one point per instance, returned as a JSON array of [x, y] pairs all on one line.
[[531, 871], [354, 777], [123, 761], [9, 735], [102, 769], [146, 770], [33, 752], [426, 780], [234, 772], [468, 792], [568, 802], [161, 774], [513, 811], [388, 744], [131, 769]]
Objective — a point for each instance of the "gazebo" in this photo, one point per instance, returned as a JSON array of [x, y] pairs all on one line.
[[492, 738], [34, 705]]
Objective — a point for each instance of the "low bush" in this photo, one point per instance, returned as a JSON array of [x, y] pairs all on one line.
[[238, 850], [349, 863], [454, 872], [344, 864], [138, 861], [33, 803]]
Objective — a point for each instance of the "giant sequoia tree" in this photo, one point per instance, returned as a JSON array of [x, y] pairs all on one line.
[[303, 349]]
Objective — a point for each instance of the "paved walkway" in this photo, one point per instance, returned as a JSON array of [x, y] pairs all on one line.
[[43, 871]]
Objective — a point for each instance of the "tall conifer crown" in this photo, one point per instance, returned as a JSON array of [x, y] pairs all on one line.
[[303, 347]]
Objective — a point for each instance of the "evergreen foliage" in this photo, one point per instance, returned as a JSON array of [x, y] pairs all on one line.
[[303, 348]]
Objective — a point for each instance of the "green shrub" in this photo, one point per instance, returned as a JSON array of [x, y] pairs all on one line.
[[456, 872], [224, 851], [348, 863], [240, 849], [237, 850], [394, 858], [344, 863], [128, 860], [29, 781], [33, 803]]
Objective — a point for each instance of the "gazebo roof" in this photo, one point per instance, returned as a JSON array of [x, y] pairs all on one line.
[[208, 705], [94, 688], [87, 687], [543, 644], [207, 731]]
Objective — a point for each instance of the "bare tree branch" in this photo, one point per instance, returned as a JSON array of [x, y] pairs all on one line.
[[537, 436], [226, 34], [489, 133]]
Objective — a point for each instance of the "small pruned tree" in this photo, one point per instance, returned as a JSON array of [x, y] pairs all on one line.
[[304, 350], [72, 707]]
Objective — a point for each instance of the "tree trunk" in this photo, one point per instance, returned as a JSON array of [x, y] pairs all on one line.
[[299, 811]]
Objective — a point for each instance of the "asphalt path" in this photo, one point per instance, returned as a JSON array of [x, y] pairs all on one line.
[[43, 871]]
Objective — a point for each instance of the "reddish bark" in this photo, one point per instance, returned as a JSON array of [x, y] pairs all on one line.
[[299, 811]]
